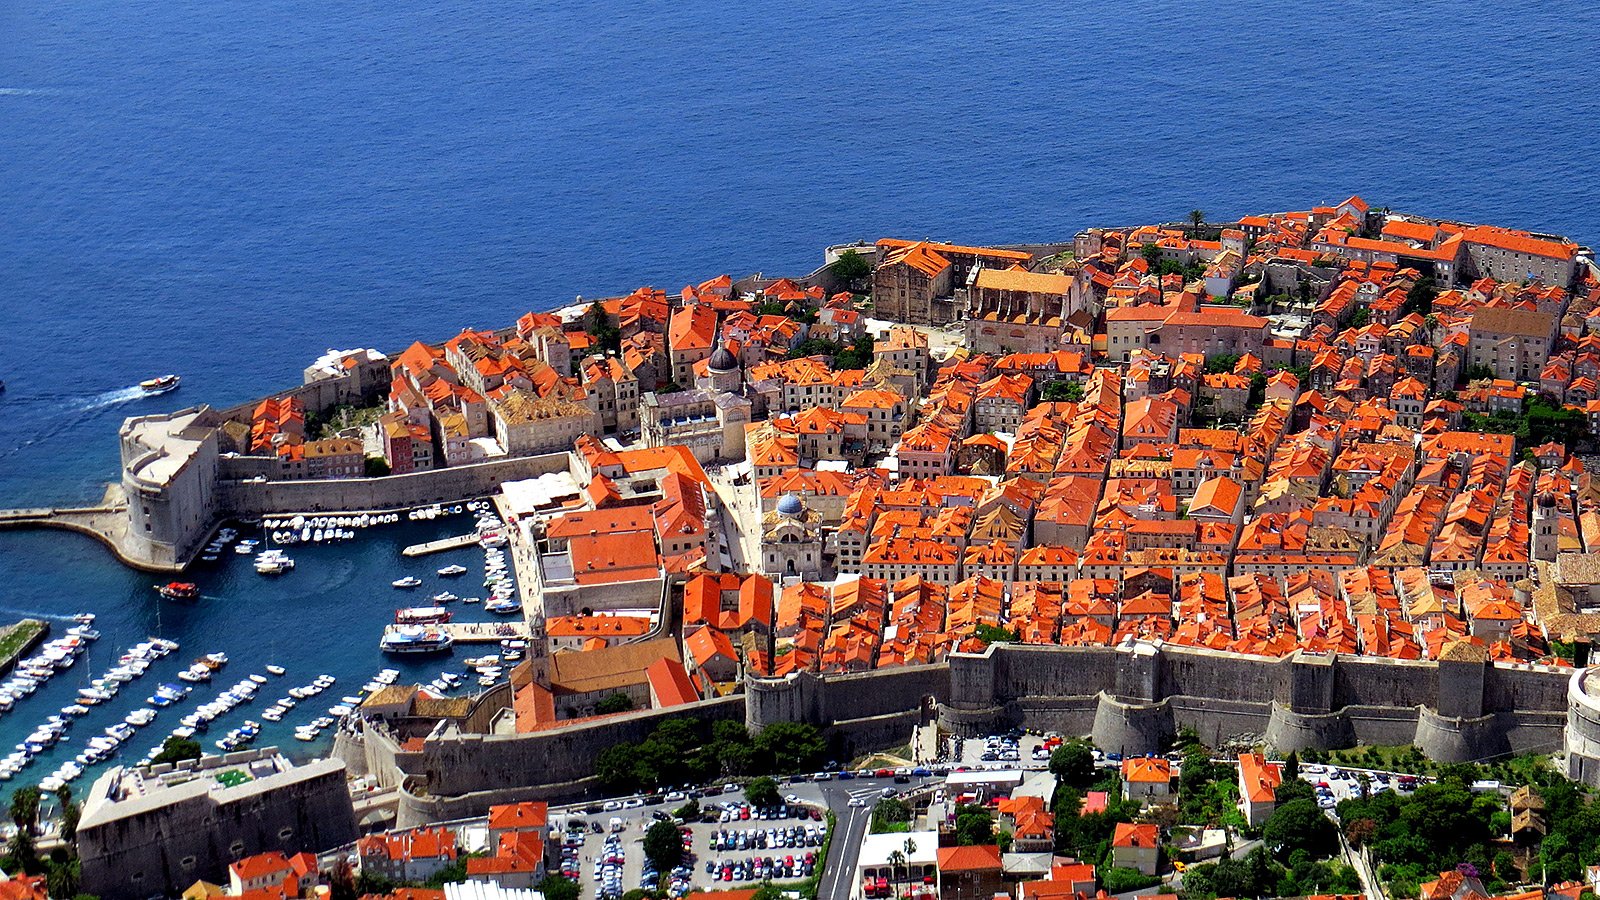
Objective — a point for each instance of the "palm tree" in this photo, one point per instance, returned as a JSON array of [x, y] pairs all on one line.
[[911, 849], [897, 862], [25, 807], [1197, 217]]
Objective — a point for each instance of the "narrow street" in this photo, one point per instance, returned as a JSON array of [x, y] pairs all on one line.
[[741, 512]]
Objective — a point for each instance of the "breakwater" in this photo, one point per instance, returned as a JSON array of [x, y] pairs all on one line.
[[18, 640]]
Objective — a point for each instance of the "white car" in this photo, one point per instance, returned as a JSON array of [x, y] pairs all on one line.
[[857, 801], [632, 803], [675, 796], [612, 805]]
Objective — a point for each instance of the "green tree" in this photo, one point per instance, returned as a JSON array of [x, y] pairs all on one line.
[[599, 324], [25, 806], [1300, 826], [889, 813], [63, 875], [1420, 297], [762, 792], [617, 767], [373, 883], [454, 873], [1197, 217], [663, 845], [1151, 254], [1062, 392], [375, 467], [70, 814], [614, 703], [556, 887], [857, 356], [23, 855], [994, 634], [1291, 767], [177, 749], [1072, 764], [1119, 880], [974, 825], [850, 267], [791, 747]]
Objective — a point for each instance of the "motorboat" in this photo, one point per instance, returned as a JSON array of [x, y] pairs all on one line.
[[410, 581], [415, 639], [422, 615], [275, 670], [160, 384], [273, 562], [179, 590], [452, 571]]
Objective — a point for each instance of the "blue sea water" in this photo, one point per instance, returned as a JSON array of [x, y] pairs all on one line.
[[224, 190]]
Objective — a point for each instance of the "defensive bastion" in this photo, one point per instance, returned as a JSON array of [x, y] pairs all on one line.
[[1132, 698]]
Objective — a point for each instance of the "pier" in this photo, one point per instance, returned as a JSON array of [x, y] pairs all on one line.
[[441, 545], [486, 632]]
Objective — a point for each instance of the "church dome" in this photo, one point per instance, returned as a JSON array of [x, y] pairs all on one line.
[[722, 361], [790, 505]]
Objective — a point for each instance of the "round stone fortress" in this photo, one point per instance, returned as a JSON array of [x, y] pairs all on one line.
[[1583, 725]]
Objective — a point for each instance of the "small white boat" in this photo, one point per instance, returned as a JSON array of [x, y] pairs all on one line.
[[159, 385], [451, 571], [275, 670], [410, 581]]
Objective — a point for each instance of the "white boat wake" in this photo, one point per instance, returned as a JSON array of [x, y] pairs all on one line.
[[34, 614], [74, 410], [110, 398]]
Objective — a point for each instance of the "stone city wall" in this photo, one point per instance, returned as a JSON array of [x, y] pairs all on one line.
[[248, 499], [1132, 698]]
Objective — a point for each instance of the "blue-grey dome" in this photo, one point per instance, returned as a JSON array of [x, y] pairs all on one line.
[[722, 361], [790, 505]]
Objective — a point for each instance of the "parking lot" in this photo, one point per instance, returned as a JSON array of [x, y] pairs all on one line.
[[1333, 784], [603, 841], [730, 844]]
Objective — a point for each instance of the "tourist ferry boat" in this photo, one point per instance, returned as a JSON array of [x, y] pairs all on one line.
[[414, 639], [159, 385], [422, 615], [179, 590]]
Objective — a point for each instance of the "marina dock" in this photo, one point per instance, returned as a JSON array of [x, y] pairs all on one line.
[[441, 545], [485, 632]]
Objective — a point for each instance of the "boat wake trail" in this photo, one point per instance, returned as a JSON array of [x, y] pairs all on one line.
[[110, 398], [34, 614], [72, 411]]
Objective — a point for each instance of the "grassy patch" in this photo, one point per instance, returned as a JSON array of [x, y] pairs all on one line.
[[17, 636]]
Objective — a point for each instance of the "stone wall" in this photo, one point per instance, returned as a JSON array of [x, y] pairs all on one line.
[[249, 499], [150, 849], [1132, 698]]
